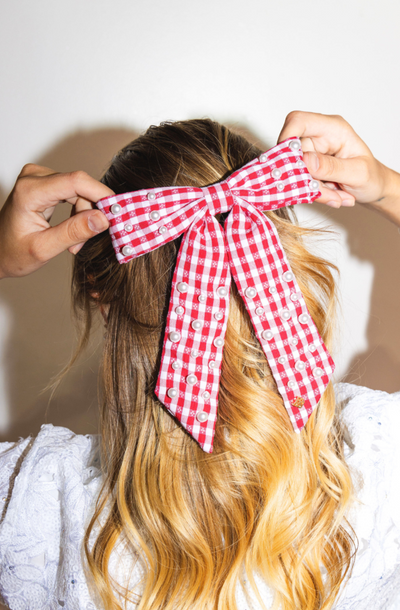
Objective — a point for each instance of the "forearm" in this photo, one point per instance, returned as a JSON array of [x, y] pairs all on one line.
[[389, 204]]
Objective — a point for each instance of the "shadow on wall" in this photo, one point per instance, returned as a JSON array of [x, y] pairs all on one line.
[[41, 336], [374, 239]]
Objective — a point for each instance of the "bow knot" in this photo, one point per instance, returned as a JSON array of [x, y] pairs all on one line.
[[246, 249]]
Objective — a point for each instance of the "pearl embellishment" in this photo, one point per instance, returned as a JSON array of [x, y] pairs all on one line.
[[287, 276], [294, 296], [262, 158], [300, 366], [285, 314], [317, 372], [194, 353], [218, 316], [314, 185], [218, 342], [212, 364], [182, 287], [280, 186], [151, 196], [202, 416], [201, 298], [294, 145], [174, 336], [267, 335], [176, 365], [206, 395], [115, 209], [127, 250], [162, 230], [312, 347], [222, 291], [179, 310], [282, 359], [292, 385], [304, 318], [154, 215], [276, 173], [128, 228], [250, 292], [259, 311], [191, 379], [272, 289], [172, 392], [197, 324]]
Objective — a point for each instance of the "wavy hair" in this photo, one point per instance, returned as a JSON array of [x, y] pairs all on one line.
[[267, 502]]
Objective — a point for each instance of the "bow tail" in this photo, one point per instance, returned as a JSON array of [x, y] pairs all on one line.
[[188, 381], [296, 354]]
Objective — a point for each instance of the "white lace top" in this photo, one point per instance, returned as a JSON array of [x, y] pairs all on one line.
[[48, 485]]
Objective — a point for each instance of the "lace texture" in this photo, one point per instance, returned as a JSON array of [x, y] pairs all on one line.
[[48, 487]]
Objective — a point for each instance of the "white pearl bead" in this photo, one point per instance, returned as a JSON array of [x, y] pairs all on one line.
[[128, 228], [179, 310], [172, 392], [151, 196], [314, 185], [174, 336], [294, 145], [312, 347], [202, 298], [300, 366], [212, 364], [272, 290], [292, 385], [280, 186], [259, 311], [218, 315], [194, 353], [317, 372], [282, 359], [263, 158], [294, 341], [267, 335], [206, 395], [182, 287], [250, 292], [115, 209], [222, 291], [127, 250], [191, 379], [197, 324], [294, 296], [218, 342], [162, 230], [176, 365], [202, 416], [276, 173], [304, 318], [287, 276], [285, 314], [154, 215], [300, 163]]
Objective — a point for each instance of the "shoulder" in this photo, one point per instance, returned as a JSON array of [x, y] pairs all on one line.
[[372, 418], [48, 485]]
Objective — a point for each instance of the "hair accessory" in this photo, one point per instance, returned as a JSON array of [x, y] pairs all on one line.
[[248, 249]]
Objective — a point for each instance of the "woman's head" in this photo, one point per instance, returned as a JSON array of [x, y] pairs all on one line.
[[266, 498]]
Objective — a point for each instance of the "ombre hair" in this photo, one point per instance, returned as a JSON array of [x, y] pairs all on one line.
[[267, 502]]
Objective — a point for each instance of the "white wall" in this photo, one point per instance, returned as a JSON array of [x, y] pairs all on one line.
[[81, 78]]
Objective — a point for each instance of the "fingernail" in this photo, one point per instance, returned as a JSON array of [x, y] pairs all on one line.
[[348, 203], [312, 161], [97, 223], [333, 204]]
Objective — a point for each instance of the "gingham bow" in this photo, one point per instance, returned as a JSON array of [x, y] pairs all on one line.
[[249, 249]]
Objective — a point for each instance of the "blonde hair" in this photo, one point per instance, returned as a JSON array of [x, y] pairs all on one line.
[[267, 501]]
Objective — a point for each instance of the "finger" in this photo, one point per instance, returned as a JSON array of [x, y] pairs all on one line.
[[76, 230], [75, 249], [31, 169], [329, 130], [349, 172], [40, 193]]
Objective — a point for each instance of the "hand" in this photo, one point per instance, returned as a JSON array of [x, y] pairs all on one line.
[[336, 155], [27, 241]]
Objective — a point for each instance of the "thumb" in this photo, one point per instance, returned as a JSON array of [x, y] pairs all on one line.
[[76, 230], [333, 169]]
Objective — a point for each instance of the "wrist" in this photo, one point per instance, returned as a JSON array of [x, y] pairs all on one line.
[[388, 203]]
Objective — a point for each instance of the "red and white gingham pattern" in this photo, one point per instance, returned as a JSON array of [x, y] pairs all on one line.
[[248, 247]]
